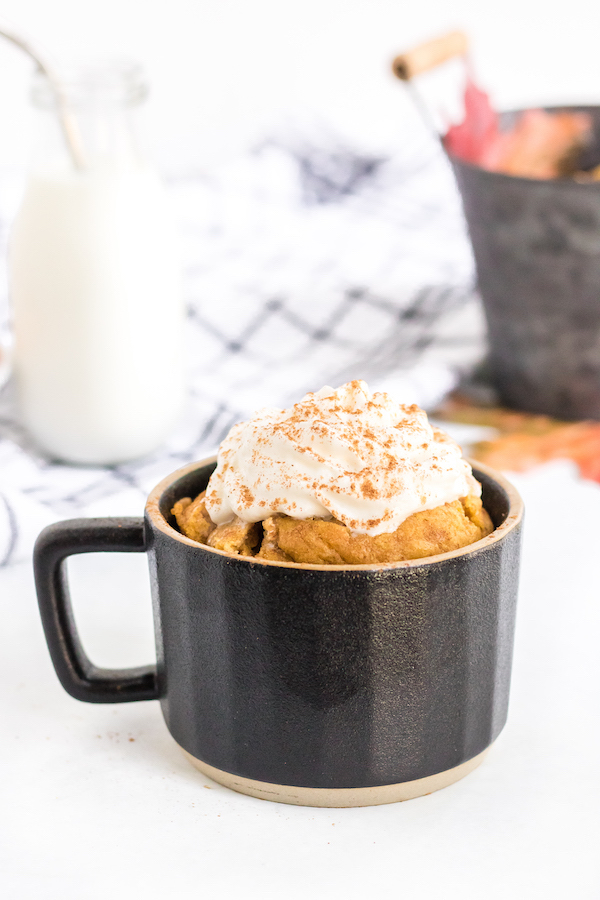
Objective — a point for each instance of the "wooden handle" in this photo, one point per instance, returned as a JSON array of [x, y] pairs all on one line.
[[430, 54]]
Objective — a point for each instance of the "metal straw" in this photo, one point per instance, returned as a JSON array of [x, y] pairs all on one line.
[[66, 116]]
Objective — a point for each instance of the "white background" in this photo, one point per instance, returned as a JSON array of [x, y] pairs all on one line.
[[129, 818], [99, 803], [224, 72]]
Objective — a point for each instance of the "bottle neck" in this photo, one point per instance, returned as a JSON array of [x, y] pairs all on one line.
[[103, 102]]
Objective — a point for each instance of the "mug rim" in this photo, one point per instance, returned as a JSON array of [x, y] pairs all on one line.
[[512, 520]]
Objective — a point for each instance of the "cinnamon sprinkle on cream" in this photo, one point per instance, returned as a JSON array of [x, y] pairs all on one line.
[[359, 457]]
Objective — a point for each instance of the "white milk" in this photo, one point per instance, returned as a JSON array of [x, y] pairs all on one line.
[[97, 312]]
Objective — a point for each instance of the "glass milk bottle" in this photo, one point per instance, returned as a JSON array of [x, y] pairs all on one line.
[[94, 280]]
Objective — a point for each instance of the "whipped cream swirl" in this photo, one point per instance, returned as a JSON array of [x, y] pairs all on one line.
[[361, 458]]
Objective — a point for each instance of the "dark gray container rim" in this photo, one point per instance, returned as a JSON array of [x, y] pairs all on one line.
[[513, 519], [571, 182]]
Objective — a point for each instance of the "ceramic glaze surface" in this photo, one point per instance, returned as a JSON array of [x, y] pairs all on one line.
[[333, 678], [304, 676]]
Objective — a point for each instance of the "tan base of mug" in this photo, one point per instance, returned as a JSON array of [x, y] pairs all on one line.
[[338, 797]]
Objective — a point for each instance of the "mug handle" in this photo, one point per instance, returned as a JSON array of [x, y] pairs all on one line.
[[77, 674]]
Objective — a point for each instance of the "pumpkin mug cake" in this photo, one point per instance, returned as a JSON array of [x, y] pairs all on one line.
[[334, 610], [344, 477]]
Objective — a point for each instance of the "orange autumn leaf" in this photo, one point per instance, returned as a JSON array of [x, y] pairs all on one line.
[[579, 442], [526, 440]]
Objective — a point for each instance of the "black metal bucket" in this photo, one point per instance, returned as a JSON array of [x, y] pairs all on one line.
[[537, 252]]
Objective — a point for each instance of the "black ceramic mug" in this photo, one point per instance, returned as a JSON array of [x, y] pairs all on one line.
[[308, 684]]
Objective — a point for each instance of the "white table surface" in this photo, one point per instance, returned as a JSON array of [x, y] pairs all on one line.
[[98, 801]]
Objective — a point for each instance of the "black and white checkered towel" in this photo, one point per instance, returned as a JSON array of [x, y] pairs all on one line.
[[305, 264]]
